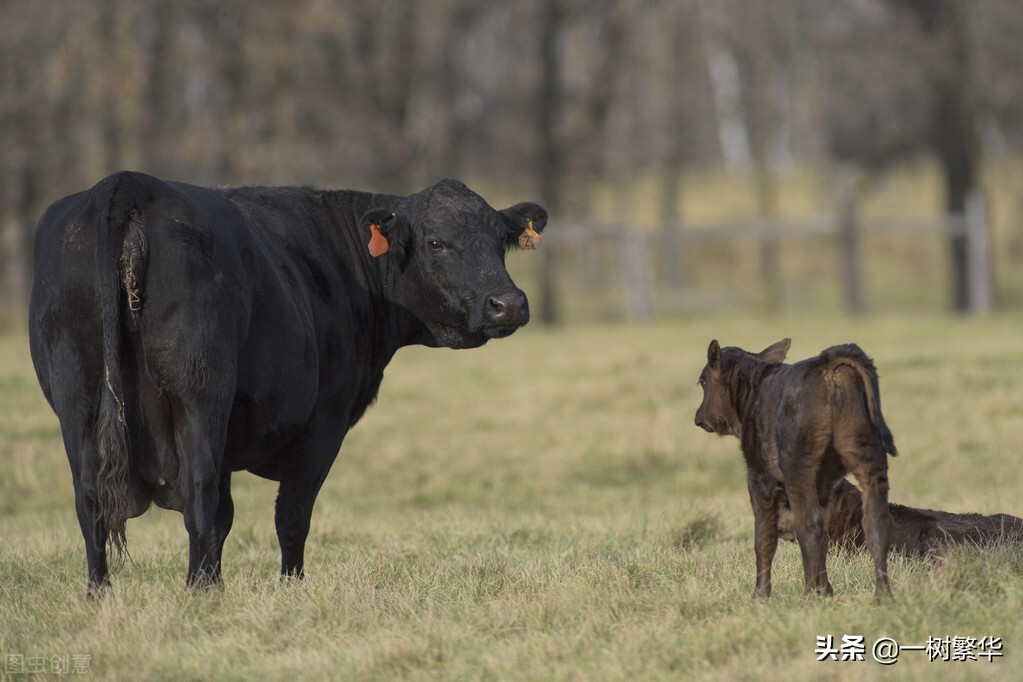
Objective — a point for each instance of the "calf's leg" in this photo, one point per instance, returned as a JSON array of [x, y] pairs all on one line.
[[808, 518], [765, 521], [872, 475]]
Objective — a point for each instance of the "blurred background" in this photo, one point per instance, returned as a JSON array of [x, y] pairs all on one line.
[[695, 155]]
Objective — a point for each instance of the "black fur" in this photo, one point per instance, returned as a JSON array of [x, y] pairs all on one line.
[[182, 333]]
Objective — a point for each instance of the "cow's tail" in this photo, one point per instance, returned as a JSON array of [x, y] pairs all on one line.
[[853, 356], [121, 259]]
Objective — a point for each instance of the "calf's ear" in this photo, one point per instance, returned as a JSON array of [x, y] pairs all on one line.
[[523, 224], [776, 352], [383, 229], [714, 354]]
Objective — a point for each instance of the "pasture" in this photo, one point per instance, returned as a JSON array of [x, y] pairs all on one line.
[[540, 508]]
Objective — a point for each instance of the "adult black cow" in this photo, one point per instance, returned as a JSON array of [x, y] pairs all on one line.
[[182, 333]]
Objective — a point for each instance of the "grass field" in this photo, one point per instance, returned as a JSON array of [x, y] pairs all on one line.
[[541, 508]]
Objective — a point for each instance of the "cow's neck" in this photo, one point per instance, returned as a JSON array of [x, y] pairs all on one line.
[[745, 377], [392, 326]]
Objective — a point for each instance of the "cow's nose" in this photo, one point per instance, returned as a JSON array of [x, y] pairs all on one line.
[[508, 308]]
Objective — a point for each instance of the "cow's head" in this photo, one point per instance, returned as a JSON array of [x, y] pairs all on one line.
[[718, 412], [448, 246]]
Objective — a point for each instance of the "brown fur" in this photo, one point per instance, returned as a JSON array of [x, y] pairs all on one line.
[[915, 532], [803, 427]]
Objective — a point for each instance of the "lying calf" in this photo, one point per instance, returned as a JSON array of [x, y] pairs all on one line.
[[803, 427], [915, 532]]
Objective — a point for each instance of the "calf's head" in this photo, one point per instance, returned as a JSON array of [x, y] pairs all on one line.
[[448, 247], [721, 384]]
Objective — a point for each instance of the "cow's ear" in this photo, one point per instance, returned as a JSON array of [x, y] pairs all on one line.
[[776, 352], [524, 222], [714, 354], [381, 227]]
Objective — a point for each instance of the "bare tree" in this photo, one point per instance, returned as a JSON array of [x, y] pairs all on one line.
[[550, 156], [947, 24]]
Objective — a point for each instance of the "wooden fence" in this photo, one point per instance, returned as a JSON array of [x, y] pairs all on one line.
[[642, 253]]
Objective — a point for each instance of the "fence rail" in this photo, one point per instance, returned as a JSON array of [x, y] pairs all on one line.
[[638, 249]]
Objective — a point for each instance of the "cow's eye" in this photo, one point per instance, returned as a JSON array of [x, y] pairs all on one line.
[[435, 245], [702, 383]]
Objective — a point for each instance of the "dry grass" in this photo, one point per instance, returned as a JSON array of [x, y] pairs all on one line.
[[542, 508]]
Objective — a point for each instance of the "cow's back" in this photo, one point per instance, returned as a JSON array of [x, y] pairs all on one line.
[[64, 297], [218, 318], [795, 410]]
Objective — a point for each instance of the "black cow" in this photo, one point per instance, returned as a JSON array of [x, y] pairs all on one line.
[[182, 333]]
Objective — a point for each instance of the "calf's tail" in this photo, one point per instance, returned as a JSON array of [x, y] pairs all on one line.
[[120, 259], [852, 356]]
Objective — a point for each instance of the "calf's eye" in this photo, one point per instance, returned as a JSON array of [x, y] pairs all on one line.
[[435, 245]]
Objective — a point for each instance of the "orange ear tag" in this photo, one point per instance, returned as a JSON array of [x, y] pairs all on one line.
[[530, 238], [377, 242]]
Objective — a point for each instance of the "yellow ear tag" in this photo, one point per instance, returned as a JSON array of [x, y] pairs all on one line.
[[530, 238], [377, 242]]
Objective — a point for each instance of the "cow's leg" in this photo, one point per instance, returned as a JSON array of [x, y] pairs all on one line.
[[77, 424], [222, 521], [765, 521], [295, 500], [872, 474], [95, 533], [200, 441], [292, 516], [808, 522], [93, 529]]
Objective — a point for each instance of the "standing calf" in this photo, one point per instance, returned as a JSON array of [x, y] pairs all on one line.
[[802, 428]]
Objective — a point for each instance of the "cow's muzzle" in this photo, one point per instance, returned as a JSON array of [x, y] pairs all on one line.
[[505, 311]]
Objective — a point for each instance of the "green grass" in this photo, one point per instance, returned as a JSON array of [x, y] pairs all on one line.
[[541, 508]]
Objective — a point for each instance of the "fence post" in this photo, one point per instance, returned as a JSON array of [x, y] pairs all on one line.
[[978, 257], [849, 243], [635, 272]]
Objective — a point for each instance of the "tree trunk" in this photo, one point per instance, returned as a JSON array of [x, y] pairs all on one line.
[[160, 111], [548, 112], [110, 112], [954, 134], [849, 242], [956, 148], [673, 258], [27, 207]]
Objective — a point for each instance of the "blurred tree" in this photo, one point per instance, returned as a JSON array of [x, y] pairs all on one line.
[[954, 127], [901, 82], [747, 51], [549, 163], [158, 143], [585, 101]]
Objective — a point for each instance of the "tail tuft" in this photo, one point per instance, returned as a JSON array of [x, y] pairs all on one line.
[[113, 477]]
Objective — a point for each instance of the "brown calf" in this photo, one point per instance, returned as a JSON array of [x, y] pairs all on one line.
[[915, 532], [803, 427]]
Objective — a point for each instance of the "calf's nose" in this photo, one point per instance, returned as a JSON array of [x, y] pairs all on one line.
[[508, 308]]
